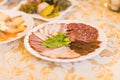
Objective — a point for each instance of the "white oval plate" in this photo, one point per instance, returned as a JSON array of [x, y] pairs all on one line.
[[101, 38], [61, 16], [3, 2], [28, 22]]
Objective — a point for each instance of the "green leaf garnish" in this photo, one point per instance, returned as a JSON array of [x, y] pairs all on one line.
[[56, 41]]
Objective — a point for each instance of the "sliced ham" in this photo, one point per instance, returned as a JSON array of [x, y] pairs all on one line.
[[35, 43], [62, 52], [34, 38], [63, 28]]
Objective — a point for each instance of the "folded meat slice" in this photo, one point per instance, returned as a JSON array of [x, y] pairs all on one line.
[[35, 43], [63, 28], [33, 37], [62, 52]]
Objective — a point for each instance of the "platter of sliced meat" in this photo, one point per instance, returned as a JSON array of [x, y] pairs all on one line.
[[65, 41]]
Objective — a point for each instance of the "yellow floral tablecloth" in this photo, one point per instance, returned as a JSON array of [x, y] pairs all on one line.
[[16, 63]]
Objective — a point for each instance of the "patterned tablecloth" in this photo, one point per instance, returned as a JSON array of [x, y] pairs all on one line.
[[16, 63]]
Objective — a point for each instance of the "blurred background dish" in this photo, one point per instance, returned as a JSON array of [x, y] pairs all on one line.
[[3, 2], [14, 25], [48, 9], [114, 5]]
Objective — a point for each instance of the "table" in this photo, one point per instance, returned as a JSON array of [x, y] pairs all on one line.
[[16, 63]]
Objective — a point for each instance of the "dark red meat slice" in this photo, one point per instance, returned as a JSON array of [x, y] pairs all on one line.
[[81, 32]]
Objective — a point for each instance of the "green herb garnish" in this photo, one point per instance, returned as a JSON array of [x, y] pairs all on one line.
[[49, 1], [56, 41], [29, 8], [0, 31]]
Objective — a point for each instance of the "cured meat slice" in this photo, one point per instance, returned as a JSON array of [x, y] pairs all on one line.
[[33, 37], [35, 43], [81, 32], [62, 52], [75, 32], [63, 28]]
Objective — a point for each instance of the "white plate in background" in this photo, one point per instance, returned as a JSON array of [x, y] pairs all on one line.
[[61, 16], [28, 21]]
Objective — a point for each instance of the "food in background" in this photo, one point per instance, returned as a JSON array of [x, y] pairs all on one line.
[[29, 8], [61, 5], [49, 1], [3, 16], [42, 6], [1, 0], [10, 27], [65, 41], [32, 1], [47, 11], [4, 35], [45, 8], [16, 21]]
